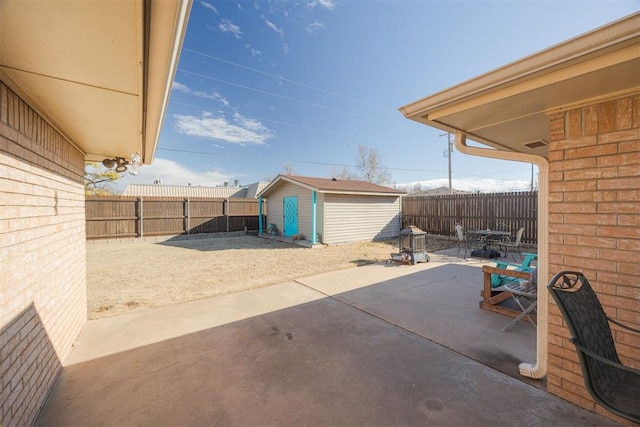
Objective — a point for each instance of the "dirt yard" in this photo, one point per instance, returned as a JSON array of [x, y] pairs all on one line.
[[123, 277]]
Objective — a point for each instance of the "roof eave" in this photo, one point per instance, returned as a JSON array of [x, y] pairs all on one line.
[[100, 73], [466, 107], [163, 53]]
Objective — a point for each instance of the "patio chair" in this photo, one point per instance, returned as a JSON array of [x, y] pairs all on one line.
[[498, 280], [513, 244], [464, 240], [611, 384]]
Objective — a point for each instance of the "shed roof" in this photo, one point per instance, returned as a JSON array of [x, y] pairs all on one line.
[[507, 108], [332, 185]]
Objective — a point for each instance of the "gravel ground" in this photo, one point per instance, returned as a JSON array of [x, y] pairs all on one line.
[[139, 275]]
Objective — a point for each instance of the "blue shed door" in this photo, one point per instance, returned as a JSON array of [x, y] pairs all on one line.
[[290, 209]]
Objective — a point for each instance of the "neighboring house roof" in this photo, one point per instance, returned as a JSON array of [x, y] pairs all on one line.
[[255, 188], [440, 191], [332, 185], [139, 190], [507, 108], [100, 71]]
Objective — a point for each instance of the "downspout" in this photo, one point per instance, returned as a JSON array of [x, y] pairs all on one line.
[[539, 369], [314, 200]]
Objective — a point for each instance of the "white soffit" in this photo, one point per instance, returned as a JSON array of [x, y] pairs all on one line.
[[80, 65], [507, 108]]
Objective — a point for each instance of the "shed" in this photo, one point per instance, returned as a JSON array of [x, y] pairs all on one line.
[[332, 211]]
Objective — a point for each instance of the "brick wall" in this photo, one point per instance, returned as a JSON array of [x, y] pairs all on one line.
[[594, 226], [42, 262]]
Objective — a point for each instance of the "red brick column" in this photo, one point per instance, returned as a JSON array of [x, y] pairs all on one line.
[[594, 226]]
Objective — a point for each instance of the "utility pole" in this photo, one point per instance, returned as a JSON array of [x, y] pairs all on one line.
[[447, 153], [531, 176]]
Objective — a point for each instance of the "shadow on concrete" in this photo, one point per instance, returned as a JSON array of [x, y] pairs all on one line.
[[335, 349], [29, 364], [442, 304]]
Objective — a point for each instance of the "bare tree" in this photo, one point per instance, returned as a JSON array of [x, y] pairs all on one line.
[[416, 188], [98, 181], [370, 166], [344, 174]]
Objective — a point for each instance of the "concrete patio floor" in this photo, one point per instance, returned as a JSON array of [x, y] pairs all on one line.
[[374, 345]]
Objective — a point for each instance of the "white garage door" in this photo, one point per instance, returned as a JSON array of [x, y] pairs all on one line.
[[360, 218]]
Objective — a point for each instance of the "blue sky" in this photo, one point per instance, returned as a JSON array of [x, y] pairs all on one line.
[[263, 84]]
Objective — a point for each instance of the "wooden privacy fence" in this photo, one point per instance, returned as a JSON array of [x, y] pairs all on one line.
[[440, 214], [109, 217]]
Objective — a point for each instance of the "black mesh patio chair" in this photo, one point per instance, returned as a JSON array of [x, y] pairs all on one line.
[[611, 384]]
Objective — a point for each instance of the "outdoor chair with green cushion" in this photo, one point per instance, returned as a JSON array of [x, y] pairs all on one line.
[[611, 384], [498, 280]]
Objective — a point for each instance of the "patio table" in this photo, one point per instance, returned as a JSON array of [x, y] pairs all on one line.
[[525, 294], [488, 234], [487, 238]]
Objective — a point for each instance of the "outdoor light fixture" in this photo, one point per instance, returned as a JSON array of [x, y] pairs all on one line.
[[121, 163], [135, 163]]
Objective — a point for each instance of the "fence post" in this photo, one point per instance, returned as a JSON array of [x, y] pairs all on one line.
[[141, 214], [225, 208], [188, 215]]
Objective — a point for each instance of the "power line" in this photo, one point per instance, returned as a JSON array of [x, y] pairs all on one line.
[[175, 150], [289, 124], [284, 79], [278, 95]]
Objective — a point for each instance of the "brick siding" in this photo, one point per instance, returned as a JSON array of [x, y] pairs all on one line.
[[42, 263], [594, 226]]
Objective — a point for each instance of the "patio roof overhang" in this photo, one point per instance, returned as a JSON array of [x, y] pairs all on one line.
[[100, 72], [507, 108]]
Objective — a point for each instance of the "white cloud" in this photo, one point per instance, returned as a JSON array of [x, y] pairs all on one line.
[[243, 131], [327, 4], [254, 52], [226, 26], [484, 185], [210, 7], [315, 27], [173, 173], [200, 94], [273, 27], [179, 86]]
